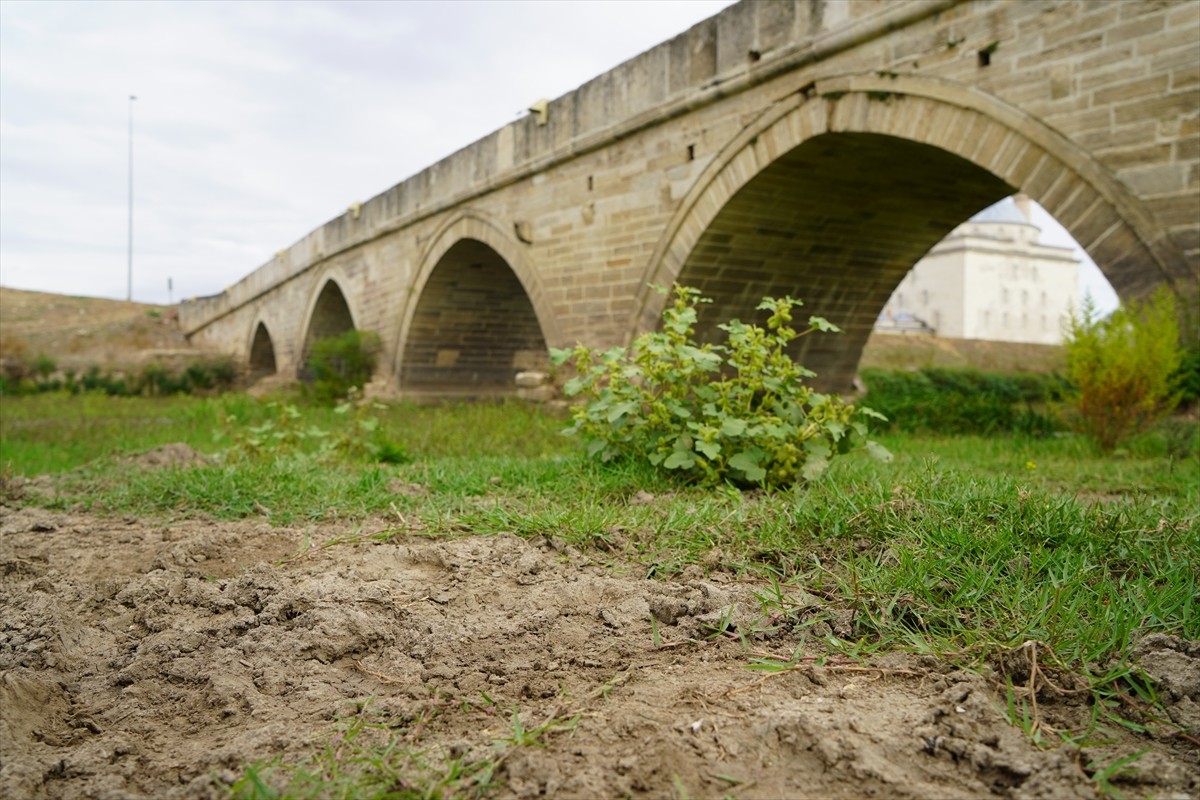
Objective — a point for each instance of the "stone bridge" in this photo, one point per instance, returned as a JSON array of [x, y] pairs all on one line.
[[816, 148]]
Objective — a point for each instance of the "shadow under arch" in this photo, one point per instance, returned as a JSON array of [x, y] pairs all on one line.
[[329, 316], [833, 194], [262, 352], [475, 315]]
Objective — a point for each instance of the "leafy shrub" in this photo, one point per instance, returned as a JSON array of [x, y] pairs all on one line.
[[338, 364], [736, 412], [958, 400], [1123, 368]]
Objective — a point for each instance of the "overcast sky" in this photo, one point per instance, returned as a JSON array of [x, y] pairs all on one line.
[[256, 122]]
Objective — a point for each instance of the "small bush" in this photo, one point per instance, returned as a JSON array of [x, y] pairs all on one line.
[[211, 375], [43, 366], [1124, 368], [341, 363], [737, 412]]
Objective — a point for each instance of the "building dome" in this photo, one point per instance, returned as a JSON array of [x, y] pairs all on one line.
[[1005, 211]]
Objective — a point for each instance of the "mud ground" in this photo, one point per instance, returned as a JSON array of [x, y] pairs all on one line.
[[154, 660]]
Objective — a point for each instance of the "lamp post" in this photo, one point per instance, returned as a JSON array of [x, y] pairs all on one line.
[[129, 287]]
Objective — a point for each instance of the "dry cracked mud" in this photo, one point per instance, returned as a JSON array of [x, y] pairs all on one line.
[[144, 659]]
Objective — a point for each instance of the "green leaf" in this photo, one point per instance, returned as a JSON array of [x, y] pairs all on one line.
[[747, 462], [879, 452], [621, 409], [733, 427], [710, 449], [818, 448], [872, 413], [680, 459], [560, 356], [572, 387], [814, 466], [822, 324]]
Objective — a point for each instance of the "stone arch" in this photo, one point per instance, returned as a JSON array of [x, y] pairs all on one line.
[[328, 315], [810, 199], [476, 313], [262, 352]]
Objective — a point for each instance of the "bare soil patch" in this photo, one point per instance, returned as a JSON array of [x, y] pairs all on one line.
[[149, 660], [79, 332]]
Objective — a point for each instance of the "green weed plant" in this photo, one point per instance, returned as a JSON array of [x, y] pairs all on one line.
[[737, 412], [1124, 368], [288, 432]]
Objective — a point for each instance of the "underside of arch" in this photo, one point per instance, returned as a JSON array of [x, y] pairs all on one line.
[[330, 318], [474, 326], [262, 353], [836, 222], [835, 194]]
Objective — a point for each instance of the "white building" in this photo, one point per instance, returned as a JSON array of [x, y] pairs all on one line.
[[989, 279]]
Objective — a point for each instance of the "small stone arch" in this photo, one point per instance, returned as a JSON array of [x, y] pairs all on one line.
[[262, 352], [810, 200], [475, 314], [329, 315]]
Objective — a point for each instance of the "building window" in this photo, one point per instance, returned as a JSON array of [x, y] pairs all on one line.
[[1004, 319], [1004, 295], [1024, 297], [1043, 299], [924, 297]]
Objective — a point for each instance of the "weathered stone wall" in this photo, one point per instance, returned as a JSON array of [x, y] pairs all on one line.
[[813, 148]]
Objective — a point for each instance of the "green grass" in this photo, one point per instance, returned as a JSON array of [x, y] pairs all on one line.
[[1031, 559], [373, 757]]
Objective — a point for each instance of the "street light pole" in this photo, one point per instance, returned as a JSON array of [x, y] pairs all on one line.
[[129, 290]]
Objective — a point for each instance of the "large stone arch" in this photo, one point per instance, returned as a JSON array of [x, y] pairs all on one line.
[[261, 361], [810, 199], [476, 313], [329, 314]]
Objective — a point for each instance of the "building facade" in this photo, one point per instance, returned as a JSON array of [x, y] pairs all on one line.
[[991, 278]]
